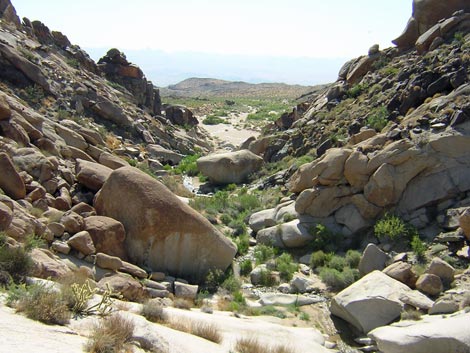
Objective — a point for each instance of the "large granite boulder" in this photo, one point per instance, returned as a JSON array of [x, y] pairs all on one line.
[[436, 334], [162, 233], [375, 300], [230, 167]]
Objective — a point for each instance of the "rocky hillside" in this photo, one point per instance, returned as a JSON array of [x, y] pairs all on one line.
[[209, 87]]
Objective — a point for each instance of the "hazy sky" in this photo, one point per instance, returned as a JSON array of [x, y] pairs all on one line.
[[293, 28], [313, 28]]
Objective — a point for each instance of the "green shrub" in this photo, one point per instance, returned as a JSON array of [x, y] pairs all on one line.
[[418, 246], [15, 261], [188, 165], [338, 280], [337, 262], [246, 267], [238, 226], [243, 244], [34, 241], [319, 259], [356, 90], [266, 278], [323, 238], [304, 316], [391, 227], [213, 120], [272, 311], [263, 253], [353, 257], [213, 280], [239, 298], [378, 119], [285, 266], [231, 284]]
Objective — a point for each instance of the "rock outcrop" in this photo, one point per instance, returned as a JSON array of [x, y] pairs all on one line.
[[425, 15], [162, 233], [117, 69], [230, 167], [433, 334], [375, 300]]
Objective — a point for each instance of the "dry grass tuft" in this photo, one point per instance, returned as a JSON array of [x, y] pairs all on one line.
[[182, 303], [153, 311], [206, 331], [44, 304], [201, 329], [252, 345], [113, 334]]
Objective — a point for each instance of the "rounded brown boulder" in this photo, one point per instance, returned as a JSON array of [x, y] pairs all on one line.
[[162, 233], [108, 235]]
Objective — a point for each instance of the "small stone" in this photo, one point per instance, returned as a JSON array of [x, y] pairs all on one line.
[[183, 290], [109, 262], [444, 306], [133, 270], [429, 284], [61, 247], [442, 269], [57, 229], [82, 242]]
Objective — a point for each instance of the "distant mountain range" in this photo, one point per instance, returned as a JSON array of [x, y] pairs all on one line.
[[209, 87], [164, 68]]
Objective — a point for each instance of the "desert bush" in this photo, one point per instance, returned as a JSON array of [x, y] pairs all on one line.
[[213, 120], [378, 119], [356, 90], [323, 238], [243, 243], [266, 278], [391, 227], [353, 257], [153, 311], [111, 335], [337, 262], [188, 165], [43, 303], [207, 331], [33, 241], [15, 261], [246, 266], [418, 246], [231, 284], [182, 303], [304, 316], [263, 253], [338, 280], [319, 259], [285, 266]]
